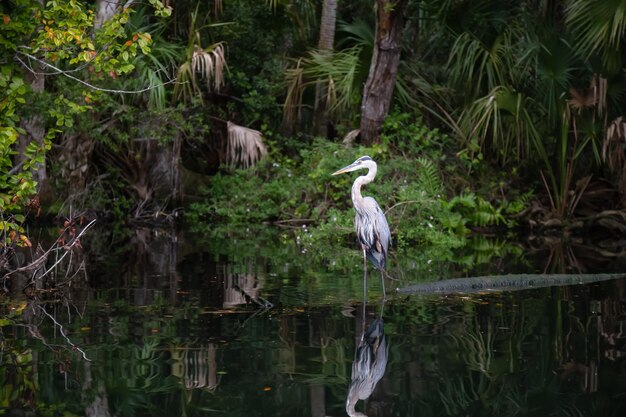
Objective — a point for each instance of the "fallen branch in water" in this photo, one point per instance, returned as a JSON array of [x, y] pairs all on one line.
[[497, 283]]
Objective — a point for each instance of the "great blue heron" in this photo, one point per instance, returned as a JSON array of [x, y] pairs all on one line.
[[370, 223]]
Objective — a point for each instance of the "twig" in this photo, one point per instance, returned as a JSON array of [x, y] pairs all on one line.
[[37, 263], [63, 333], [17, 167], [65, 73], [401, 203], [69, 247], [293, 221]]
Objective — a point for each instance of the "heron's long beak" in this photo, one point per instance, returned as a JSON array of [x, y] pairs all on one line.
[[352, 167]]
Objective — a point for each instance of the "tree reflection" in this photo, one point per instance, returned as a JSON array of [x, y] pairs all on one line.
[[196, 366]]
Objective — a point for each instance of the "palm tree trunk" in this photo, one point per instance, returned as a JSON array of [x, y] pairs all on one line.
[[327, 25], [76, 150], [326, 44], [383, 69]]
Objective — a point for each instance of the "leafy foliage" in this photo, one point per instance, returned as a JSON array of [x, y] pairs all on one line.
[[55, 38], [297, 192], [17, 184], [201, 63]]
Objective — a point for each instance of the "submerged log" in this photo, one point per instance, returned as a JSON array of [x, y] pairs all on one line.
[[497, 283]]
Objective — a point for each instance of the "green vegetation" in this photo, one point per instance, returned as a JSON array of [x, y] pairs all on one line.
[[50, 39], [504, 115], [299, 192], [227, 118]]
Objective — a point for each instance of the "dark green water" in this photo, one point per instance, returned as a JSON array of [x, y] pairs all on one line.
[[254, 325]]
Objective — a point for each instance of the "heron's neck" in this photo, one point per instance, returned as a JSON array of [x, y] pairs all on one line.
[[353, 398], [352, 412], [359, 182]]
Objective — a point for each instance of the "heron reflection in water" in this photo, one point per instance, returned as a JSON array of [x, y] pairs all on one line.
[[370, 223], [370, 361]]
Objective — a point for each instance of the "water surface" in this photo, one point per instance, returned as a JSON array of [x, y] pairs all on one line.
[[255, 324]]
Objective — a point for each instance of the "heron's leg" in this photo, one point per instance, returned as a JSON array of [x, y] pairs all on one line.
[[382, 281], [364, 276], [364, 291]]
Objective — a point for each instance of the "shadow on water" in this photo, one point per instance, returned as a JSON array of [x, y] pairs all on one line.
[[246, 324]]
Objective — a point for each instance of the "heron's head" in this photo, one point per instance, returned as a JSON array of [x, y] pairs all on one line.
[[361, 163]]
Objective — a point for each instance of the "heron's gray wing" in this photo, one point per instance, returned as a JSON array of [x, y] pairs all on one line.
[[382, 229], [373, 231]]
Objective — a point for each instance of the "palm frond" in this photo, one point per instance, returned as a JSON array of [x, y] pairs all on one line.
[[339, 69], [555, 69], [350, 137], [218, 7], [613, 145], [245, 146], [292, 107], [336, 69], [186, 86], [157, 69], [359, 33], [303, 14], [599, 28], [470, 62], [208, 64], [273, 4], [593, 96], [505, 121], [478, 67]]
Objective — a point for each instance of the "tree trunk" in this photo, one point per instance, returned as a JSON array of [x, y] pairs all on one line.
[[327, 25], [326, 44], [105, 9], [33, 126], [76, 150], [383, 69]]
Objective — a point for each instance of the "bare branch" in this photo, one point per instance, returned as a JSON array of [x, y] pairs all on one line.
[[58, 71], [39, 262], [69, 247]]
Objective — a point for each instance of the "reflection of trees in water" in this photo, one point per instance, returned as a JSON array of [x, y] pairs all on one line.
[[196, 366], [151, 265], [154, 262], [593, 334], [555, 351], [144, 266], [571, 254], [242, 289]]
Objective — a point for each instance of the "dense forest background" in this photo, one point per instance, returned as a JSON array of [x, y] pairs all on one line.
[[483, 115]]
